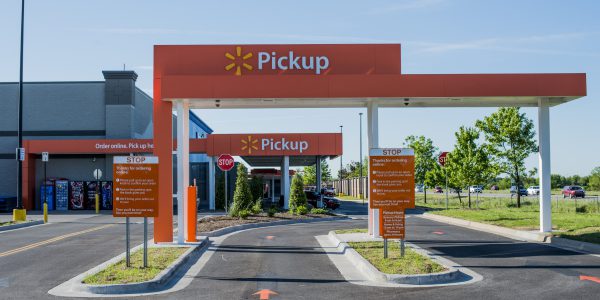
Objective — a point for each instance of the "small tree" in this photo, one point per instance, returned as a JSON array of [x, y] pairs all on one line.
[[468, 163], [594, 179], [297, 196], [220, 191], [242, 197], [310, 174], [510, 137], [424, 158]]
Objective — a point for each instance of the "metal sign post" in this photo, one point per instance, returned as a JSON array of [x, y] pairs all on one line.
[[225, 172], [225, 163], [127, 262], [442, 162], [145, 242], [402, 248], [385, 248]]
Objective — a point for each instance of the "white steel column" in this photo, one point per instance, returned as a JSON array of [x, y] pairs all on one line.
[[544, 165], [373, 136], [183, 166], [273, 189], [285, 181], [211, 183], [318, 180]]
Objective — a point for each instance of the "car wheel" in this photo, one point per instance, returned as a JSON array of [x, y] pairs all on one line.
[[571, 196]]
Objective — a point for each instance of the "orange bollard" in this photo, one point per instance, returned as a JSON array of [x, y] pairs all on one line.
[[192, 216]]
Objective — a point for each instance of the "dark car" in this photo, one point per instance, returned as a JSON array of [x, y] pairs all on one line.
[[573, 191], [438, 189], [312, 197], [328, 192], [522, 191], [494, 188]]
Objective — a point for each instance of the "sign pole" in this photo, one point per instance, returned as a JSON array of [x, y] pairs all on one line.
[[385, 248], [45, 156], [446, 173], [127, 242], [226, 192], [402, 247], [145, 242]]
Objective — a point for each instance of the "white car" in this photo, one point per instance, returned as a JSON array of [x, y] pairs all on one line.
[[419, 188], [475, 189], [533, 190]]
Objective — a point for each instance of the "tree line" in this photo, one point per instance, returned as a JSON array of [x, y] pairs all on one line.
[[491, 151]]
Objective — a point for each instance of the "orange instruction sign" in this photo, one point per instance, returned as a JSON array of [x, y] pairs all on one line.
[[391, 224], [391, 178], [135, 184]]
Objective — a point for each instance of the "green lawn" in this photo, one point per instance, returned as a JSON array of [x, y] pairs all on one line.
[[411, 263], [158, 260], [350, 198], [578, 220]]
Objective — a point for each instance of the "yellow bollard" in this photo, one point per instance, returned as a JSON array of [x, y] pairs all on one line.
[[19, 215], [45, 212], [97, 203]]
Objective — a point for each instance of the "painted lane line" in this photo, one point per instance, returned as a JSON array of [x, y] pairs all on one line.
[[265, 294], [438, 232], [52, 240], [590, 278], [270, 237]]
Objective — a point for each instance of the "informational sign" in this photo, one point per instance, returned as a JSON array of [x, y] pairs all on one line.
[[391, 224], [392, 178], [45, 156], [225, 162], [135, 182], [442, 158]]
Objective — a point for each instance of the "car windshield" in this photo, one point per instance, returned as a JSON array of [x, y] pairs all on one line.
[[576, 188]]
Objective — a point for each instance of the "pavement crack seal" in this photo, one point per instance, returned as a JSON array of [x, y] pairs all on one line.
[[52, 240]]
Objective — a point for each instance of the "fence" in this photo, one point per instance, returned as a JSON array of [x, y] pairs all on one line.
[[352, 186]]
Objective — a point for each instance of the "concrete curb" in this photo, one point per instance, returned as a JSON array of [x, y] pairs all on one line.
[[573, 245], [536, 237], [450, 275], [226, 230], [503, 231], [21, 225], [161, 281]]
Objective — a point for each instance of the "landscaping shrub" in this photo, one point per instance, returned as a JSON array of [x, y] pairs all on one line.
[[257, 207], [272, 211], [297, 196], [243, 214], [301, 210], [242, 197], [319, 211], [582, 209]]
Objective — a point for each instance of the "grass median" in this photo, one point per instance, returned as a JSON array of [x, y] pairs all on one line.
[[412, 263], [573, 219], [159, 258]]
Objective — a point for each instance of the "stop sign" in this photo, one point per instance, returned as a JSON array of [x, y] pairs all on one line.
[[225, 162], [442, 158]]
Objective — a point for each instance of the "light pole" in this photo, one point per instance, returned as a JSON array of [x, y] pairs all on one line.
[[341, 164], [20, 119], [360, 161]]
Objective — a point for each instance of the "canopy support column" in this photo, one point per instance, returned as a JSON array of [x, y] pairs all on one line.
[[373, 136], [211, 183], [183, 165], [544, 165], [285, 181]]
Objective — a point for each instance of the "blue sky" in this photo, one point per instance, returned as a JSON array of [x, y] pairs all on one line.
[[75, 40]]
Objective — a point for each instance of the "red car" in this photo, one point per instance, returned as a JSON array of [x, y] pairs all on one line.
[[573, 191], [438, 189]]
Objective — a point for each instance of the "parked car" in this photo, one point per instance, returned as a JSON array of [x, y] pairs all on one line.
[[455, 190], [573, 191], [328, 192], [438, 189], [419, 188], [494, 188], [522, 191], [331, 203], [475, 189], [533, 190]]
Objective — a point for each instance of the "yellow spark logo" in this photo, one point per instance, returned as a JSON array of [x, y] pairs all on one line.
[[249, 144], [238, 61]]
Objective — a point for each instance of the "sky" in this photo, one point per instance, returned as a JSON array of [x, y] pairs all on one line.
[[74, 40]]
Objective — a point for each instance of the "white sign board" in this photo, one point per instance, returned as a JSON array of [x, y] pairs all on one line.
[[44, 156], [97, 174]]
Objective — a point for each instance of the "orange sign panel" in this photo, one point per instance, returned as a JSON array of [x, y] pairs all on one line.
[[392, 178], [392, 224], [135, 184]]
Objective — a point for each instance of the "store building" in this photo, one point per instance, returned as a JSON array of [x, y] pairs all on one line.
[[71, 114]]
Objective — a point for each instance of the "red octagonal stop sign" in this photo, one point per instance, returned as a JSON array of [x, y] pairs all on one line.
[[442, 158], [225, 162]]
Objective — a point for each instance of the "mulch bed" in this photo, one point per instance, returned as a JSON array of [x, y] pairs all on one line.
[[218, 222]]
